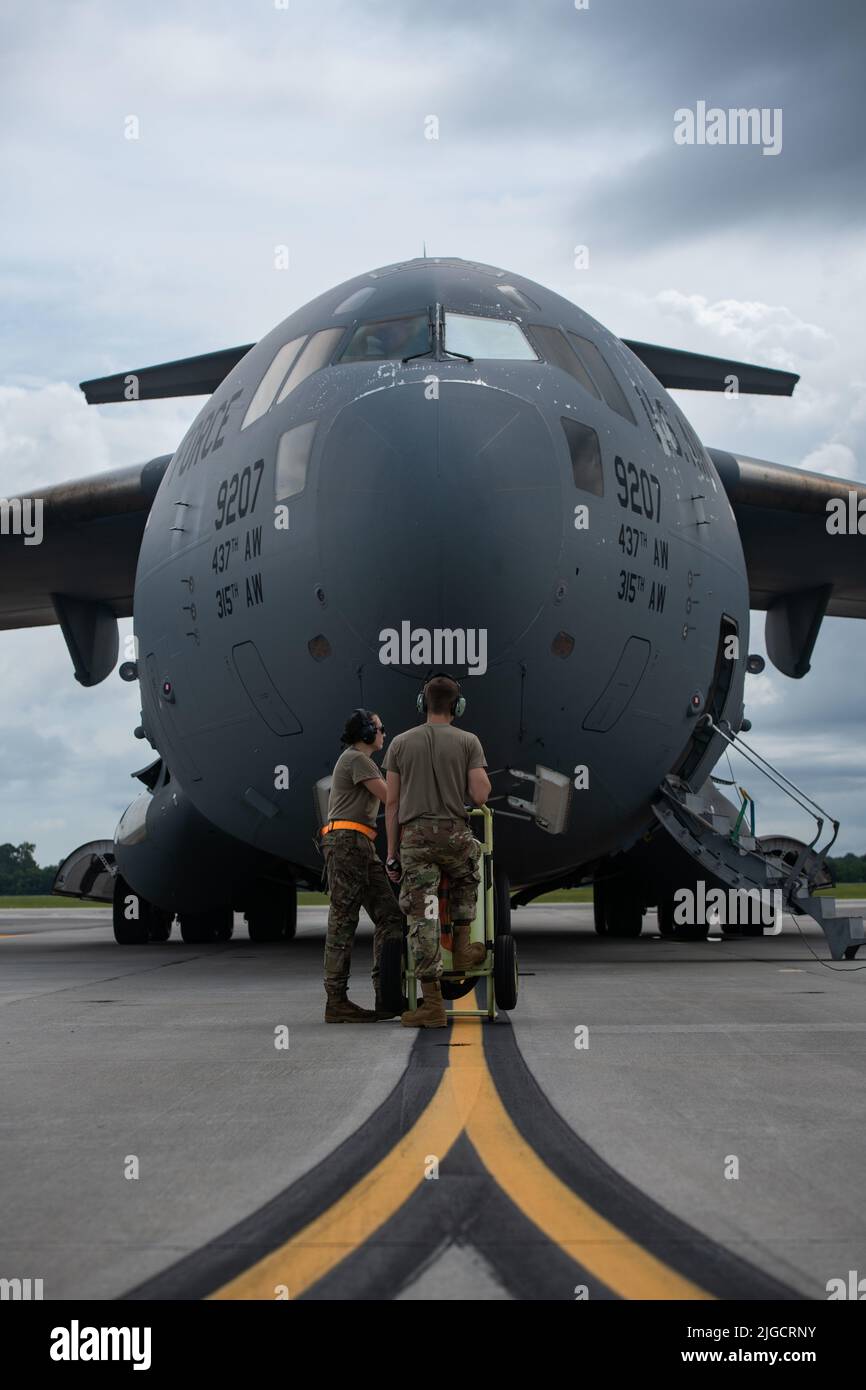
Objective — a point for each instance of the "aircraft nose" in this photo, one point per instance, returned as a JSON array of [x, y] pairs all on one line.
[[445, 512]]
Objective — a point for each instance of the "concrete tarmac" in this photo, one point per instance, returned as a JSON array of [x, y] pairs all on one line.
[[720, 1084]]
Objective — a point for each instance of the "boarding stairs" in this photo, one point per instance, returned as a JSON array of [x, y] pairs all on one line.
[[720, 839]]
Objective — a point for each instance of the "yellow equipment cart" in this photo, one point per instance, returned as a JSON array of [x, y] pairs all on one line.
[[398, 982]]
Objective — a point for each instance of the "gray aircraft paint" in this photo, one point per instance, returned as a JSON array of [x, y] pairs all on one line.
[[451, 509]]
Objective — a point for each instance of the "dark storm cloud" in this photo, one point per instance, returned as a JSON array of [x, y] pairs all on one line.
[[616, 74]]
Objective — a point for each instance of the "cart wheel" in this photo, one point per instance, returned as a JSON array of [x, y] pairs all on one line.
[[505, 972], [501, 904], [391, 977]]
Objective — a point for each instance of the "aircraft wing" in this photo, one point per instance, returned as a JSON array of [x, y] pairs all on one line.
[[81, 574], [801, 566], [681, 370], [187, 376]]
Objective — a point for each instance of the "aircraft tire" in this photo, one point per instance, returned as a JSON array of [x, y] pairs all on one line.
[[129, 932], [160, 925], [691, 931], [623, 913], [274, 916], [224, 925], [290, 923], [264, 927], [667, 926], [598, 917], [205, 928]]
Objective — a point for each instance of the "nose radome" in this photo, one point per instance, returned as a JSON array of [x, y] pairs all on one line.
[[445, 513]]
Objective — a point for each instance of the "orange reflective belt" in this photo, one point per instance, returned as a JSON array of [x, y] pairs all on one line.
[[348, 825]]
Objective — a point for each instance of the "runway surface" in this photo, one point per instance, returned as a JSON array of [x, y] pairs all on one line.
[[486, 1162]]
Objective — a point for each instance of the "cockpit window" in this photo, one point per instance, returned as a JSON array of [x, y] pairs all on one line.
[[269, 384], [388, 338], [316, 353], [557, 350], [602, 375], [490, 338], [585, 454], [293, 456]]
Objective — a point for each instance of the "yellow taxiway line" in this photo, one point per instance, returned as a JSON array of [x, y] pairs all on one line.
[[466, 1099], [359, 1213], [599, 1247]]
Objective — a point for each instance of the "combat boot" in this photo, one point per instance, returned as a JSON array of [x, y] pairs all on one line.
[[430, 1013], [466, 954], [340, 1009]]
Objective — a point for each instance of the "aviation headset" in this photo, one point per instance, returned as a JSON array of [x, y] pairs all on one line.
[[458, 704], [368, 728]]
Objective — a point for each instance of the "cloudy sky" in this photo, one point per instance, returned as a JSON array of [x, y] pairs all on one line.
[[303, 125]]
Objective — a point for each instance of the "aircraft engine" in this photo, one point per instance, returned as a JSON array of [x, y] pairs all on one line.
[[171, 855]]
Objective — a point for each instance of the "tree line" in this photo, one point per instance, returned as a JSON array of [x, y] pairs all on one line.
[[20, 874]]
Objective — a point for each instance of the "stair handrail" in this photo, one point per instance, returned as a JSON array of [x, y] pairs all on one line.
[[784, 784]]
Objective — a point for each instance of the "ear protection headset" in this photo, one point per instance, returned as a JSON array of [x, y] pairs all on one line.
[[368, 728], [458, 704]]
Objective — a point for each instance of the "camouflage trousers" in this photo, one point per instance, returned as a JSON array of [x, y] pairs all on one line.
[[356, 879], [427, 847]]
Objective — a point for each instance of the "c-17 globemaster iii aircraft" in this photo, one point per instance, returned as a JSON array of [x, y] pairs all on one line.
[[439, 464]]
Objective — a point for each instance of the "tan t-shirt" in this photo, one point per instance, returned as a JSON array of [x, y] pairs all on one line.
[[349, 799], [412, 755]]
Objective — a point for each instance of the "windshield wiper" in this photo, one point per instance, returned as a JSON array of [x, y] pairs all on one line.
[[452, 353], [432, 320], [437, 348]]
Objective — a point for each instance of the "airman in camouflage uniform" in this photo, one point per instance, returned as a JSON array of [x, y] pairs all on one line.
[[427, 848], [356, 879], [356, 876], [432, 771]]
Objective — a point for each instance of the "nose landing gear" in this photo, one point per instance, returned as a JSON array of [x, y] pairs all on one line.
[[617, 908]]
